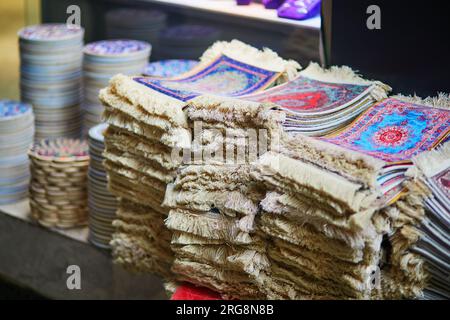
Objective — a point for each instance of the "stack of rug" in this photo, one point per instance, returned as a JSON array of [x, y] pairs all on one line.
[[148, 136], [320, 101], [429, 234], [328, 207], [321, 242], [420, 245], [253, 207], [138, 169], [214, 200]]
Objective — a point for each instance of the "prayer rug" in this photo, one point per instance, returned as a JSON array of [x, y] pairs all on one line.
[[395, 130], [223, 76]]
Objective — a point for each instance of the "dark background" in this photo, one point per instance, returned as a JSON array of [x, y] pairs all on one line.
[[411, 52]]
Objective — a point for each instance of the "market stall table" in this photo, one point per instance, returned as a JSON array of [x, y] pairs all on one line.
[[39, 257]]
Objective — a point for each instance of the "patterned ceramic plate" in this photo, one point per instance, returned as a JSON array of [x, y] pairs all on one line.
[[169, 68], [117, 48], [50, 32], [97, 132], [13, 109], [60, 149]]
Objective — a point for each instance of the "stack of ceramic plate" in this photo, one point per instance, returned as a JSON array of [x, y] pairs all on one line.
[[169, 68], [102, 204], [16, 136], [58, 188], [186, 41], [137, 24], [102, 60], [50, 77]]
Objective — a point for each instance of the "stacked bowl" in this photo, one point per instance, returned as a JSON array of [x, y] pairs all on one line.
[[102, 204], [50, 77], [16, 136], [58, 187], [102, 60]]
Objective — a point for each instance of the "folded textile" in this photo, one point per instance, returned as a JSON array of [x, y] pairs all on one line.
[[136, 254], [227, 69], [395, 130], [148, 128], [376, 149], [256, 208], [323, 217], [213, 210], [231, 284], [140, 242], [339, 201], [131, 143], [319, 101], [424, 238], [214, 201], [191, 292]]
